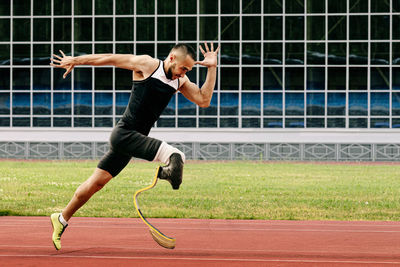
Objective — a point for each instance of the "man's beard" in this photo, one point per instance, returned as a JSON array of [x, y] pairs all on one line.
[[169, 73]]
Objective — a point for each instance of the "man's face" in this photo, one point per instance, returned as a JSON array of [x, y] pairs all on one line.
[[179, 66]]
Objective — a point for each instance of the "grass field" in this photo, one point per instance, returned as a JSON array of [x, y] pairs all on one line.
[[228, 190]]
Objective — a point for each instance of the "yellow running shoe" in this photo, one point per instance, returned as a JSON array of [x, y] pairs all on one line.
[[58, 230]]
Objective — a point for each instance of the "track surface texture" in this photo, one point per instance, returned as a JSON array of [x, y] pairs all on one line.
[[26, 241]]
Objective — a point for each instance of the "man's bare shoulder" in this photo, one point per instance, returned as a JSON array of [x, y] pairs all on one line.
[[146, 60], [145, 63]]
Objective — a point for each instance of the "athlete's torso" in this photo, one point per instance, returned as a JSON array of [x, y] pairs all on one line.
[[148, 99]]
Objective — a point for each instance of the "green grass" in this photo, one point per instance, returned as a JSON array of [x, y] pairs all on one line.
[[228, 190]]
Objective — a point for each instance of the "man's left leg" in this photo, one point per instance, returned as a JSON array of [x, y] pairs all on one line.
[[83, 193], [109, 166]]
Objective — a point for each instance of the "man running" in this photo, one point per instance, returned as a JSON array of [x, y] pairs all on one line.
[[154, 83]]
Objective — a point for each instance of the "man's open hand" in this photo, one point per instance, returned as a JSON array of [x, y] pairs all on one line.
[[210, 56], [65, 62]]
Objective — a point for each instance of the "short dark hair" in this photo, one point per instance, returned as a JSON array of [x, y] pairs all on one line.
[[187, 49]]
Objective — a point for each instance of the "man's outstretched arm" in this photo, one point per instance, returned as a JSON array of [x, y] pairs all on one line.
[[124, 61], [202, 96]]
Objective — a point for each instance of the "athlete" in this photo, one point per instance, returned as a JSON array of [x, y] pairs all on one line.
[[154, 83]]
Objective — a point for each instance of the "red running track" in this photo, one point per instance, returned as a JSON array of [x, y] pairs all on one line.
[[26, 241]]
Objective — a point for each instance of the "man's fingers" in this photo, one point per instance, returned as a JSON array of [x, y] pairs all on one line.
[[216, 50], [54, 55], [212, 47], [67, 71], [202, 50], [55, 65], [55, 60], [62, 53], [206, 46]]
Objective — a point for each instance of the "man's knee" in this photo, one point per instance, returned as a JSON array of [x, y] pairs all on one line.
[[101, 177], [98, 180]]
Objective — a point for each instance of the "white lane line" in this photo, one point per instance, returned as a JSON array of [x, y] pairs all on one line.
[[234, 229], [190, 250], [205, 259], [212, 222]]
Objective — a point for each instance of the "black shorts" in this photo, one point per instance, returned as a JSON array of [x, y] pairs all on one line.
[[125, 144]]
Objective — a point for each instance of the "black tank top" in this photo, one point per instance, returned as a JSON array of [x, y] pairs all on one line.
[[148, 99]]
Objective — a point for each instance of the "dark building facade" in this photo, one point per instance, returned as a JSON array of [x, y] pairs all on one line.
[[311, 67]]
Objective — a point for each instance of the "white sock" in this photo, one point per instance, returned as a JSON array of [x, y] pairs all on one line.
[[62, 220], [165, 151]]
